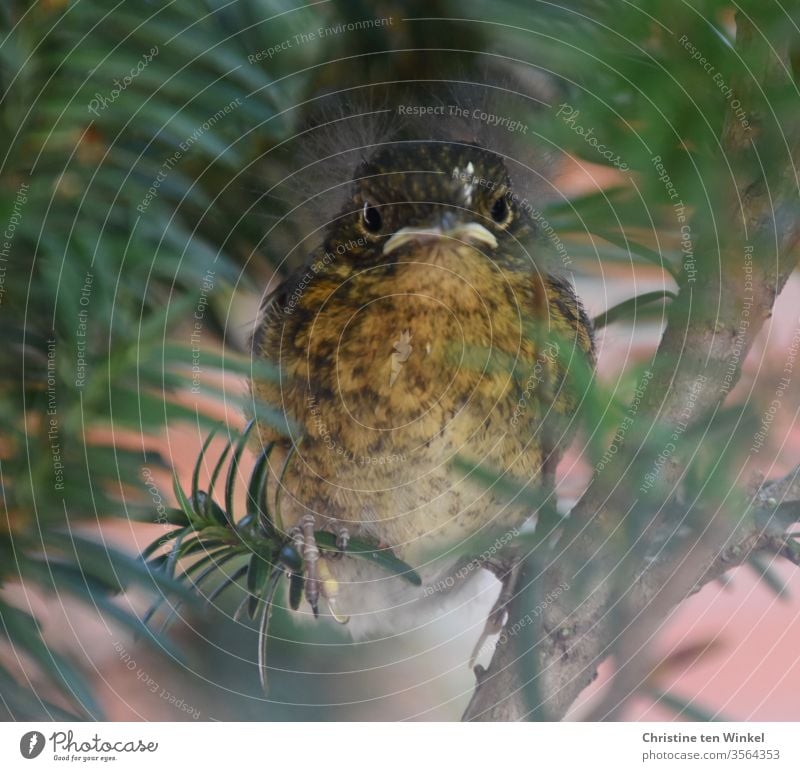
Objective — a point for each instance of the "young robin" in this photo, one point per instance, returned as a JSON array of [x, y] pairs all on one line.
[[426, 326]]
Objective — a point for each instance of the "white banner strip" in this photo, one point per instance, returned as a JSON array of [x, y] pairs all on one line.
[[400, 746]]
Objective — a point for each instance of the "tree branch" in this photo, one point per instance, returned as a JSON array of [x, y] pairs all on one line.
[[710, 329]]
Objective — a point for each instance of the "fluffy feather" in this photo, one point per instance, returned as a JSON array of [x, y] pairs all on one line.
[[345, 128]]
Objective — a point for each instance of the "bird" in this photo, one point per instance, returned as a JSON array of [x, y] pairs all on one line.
[[427, 325]]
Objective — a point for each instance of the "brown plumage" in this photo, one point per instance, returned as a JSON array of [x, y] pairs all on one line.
[[426, 325]]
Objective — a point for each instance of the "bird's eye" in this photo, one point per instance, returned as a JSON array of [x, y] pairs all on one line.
[[371, 218], [499, 210]]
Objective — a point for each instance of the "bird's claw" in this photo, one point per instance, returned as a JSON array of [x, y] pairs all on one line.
[[342, 540], [310, 552], [318, 578]]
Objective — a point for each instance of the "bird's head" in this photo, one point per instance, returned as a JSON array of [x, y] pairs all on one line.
[[438, 197]]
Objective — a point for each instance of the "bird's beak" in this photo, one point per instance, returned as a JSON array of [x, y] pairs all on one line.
[[468, 233]]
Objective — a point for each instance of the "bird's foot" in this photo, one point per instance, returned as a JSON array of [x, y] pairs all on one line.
[[319, 580], [310, 552], [506, 573]]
